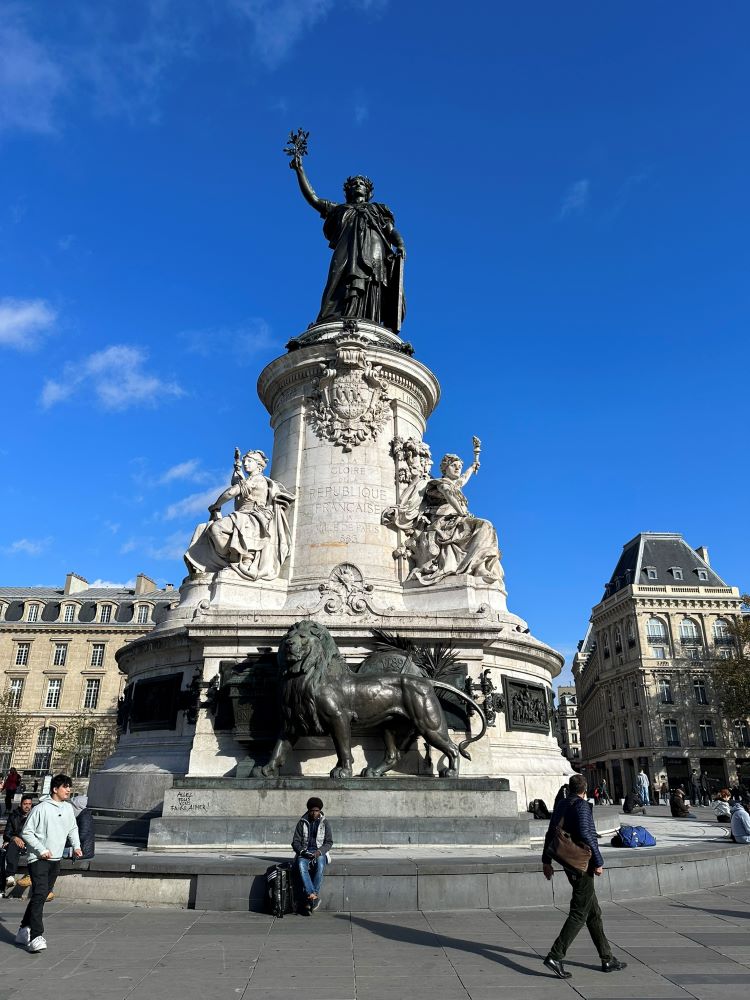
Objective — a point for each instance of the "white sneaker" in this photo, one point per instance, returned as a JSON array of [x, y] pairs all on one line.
[[10, 881], [38, 944], [23, 936]]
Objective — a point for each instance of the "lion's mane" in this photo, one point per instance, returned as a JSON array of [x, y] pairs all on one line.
[[303, 681]]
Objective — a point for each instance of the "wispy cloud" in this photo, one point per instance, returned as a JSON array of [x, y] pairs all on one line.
[[194, 504], [25, 322], [361, 113], [116, 377], [183, 470], [278, 24], [31, 82], [170, 548], [624, 193], [576, 199], [128, 585], [244, 341], [28, 546]]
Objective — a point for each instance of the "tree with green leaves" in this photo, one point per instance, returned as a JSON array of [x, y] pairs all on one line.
[[732, 676], [82, 741], [13, 724]]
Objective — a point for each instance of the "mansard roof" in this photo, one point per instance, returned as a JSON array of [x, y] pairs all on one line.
[[662, 554]]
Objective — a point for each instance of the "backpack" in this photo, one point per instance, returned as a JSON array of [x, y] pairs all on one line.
[[280, 888], [633, 836]]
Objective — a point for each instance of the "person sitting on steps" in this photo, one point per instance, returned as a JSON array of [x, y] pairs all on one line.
[[14, 846], [311, 843]]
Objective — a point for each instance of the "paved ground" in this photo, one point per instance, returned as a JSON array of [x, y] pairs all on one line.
[[692, 946]]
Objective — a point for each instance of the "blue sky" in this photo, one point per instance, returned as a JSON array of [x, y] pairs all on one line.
[[571, 183]]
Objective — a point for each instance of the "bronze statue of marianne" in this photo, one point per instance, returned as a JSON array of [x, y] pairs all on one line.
[[365, 279]]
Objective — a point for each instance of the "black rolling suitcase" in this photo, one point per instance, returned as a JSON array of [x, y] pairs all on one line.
[[280, 885]]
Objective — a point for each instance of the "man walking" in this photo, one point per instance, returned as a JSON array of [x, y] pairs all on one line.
[[311, 843], [50, 825], [577, 821], [642, 782], [13, 845]]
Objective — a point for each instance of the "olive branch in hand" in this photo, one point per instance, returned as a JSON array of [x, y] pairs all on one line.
[[296, 144]]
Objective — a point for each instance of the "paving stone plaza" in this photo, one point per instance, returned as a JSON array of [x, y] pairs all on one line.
[[693, 945]]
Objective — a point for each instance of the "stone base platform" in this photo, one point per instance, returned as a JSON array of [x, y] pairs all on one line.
[[243, 813]]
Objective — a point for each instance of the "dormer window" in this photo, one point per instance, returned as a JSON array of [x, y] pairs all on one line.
[[702, 575], [676, 572], [650, 572], [142, 616], [69, 613], [32, 614], [105, 615]]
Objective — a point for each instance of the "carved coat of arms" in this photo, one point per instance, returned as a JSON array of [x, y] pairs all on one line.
[[350, 399]]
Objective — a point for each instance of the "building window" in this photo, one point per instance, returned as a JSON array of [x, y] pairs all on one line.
[[725, 653], [636, 700], [15, 692], [742, 731], [699, 690], [605, 645], [625, 736], [618, 639], [702, 575], [612, 738], [692, 652], [630, 629], [671, 733], [656, 632], [650, 572], [609, 701], [676, 572], [659, 653], [143, 614], [91, 698], [22, 654], [6, 756], [105, 615], [61, 654], [665, 690], [639, 732], [708, 737], [82, 761], [54, 688], [689, 630], [721, 629], [33, 613], [622, 698], [44, 745], [69, 615], [97, 654]]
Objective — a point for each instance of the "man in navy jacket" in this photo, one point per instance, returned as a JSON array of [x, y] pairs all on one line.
[[578, 821]]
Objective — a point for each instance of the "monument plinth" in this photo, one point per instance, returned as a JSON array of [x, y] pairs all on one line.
[[354, 533]]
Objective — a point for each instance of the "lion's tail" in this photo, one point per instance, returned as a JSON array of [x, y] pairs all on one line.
[[477, 708]]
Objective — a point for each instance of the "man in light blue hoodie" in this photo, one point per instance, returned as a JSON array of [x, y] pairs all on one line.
[[51, 824]]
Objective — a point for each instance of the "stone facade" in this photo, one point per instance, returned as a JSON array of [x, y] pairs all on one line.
[[643, 673], [58, 654], [566, 718]]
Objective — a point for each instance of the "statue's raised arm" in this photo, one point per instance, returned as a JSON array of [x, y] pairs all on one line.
[[365, 279]]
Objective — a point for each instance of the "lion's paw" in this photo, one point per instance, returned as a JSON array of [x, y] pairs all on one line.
[[266, 771], [341, 772], [369, 772]]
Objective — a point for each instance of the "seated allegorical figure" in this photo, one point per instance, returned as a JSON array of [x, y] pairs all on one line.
[[443, 537], [254, 539]]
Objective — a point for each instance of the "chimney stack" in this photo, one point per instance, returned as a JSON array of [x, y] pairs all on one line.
[[75, 583], [703, 553], [144, 584]]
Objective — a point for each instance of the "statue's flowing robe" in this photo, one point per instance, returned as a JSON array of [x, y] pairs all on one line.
[[360, 281], [253, 540], [454, 541]]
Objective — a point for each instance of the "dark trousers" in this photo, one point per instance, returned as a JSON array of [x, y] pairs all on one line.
[[584, 909], [43, 876], [11, 854]]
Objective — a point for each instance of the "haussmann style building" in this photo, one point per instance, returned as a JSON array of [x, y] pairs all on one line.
[[57, 650], [566, 719], [643, 673]]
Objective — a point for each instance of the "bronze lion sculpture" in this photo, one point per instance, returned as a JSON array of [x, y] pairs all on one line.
[[321, 695]]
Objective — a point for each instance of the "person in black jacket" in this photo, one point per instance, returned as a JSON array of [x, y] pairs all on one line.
[[13, 845], [578, 821], [311, 843]]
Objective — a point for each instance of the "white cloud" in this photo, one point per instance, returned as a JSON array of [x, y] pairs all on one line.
[[575, 199], [195, 504], [31, 82], [24, 322], [128, 585], [28, 546], [183, 470], [361, 113], [115, 376], [279, 24]]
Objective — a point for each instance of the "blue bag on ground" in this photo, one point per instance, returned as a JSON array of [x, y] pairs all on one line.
[[633, 836]]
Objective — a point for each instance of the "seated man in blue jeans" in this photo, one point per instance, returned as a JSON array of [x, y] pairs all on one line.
[[311, 843]]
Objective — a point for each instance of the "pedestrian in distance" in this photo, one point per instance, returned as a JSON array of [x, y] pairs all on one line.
[[311, 843], [578, 822], [604, 792], [14, 846], [642, 784], [51, 824], [665, 792], [10, 787], [741, 822], [678, 804], [696, 796]]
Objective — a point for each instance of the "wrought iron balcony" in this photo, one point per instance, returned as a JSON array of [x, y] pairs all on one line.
[[657, 640], [723, 640], [693, 640]]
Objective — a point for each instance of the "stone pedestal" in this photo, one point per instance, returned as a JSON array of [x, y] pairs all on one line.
[[337, 403]]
